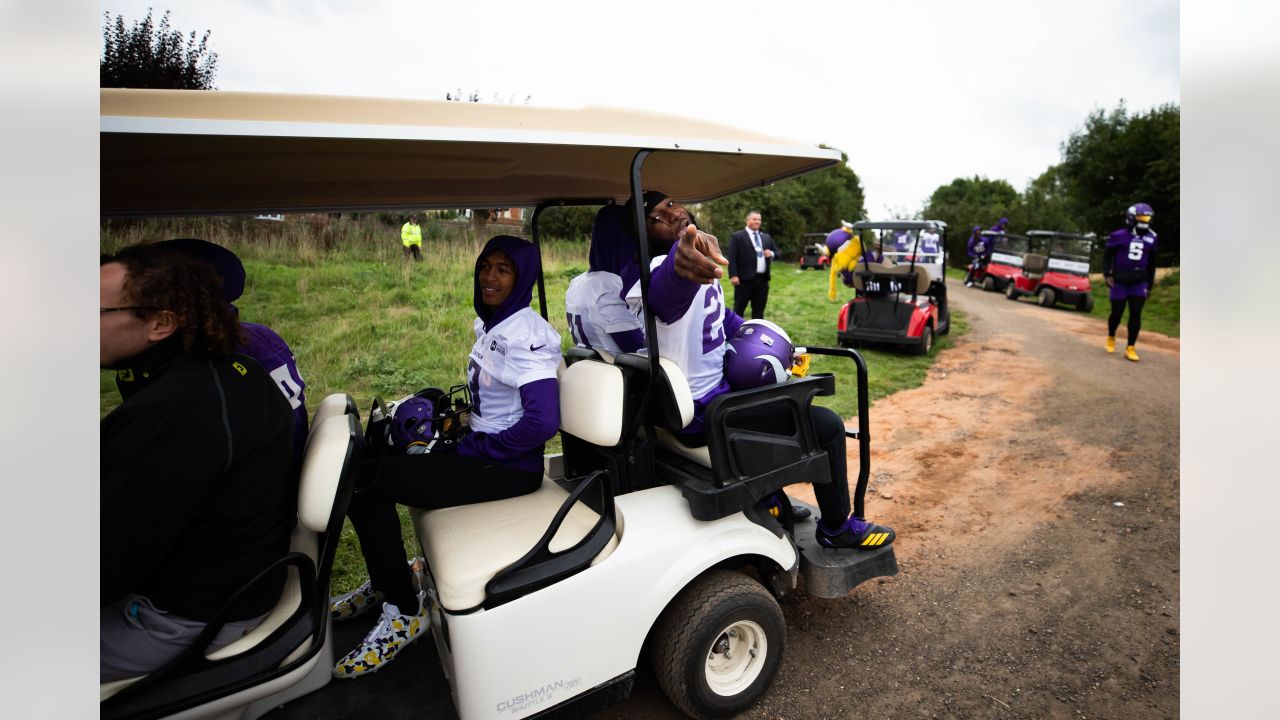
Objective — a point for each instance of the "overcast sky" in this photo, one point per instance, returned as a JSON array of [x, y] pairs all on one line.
[[915, 93]]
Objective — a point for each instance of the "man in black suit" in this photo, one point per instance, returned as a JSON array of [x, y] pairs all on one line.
[[750, 255]]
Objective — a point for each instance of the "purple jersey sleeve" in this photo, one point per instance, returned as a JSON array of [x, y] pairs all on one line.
[[520, 446], [629, 340], [670, 295]]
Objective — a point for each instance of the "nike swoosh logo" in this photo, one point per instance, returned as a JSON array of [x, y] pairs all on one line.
[[536, 349]]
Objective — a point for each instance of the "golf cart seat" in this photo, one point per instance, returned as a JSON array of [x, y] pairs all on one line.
[[1034, 265], [290, 653], [740, 464], [544, 536], [335, 404], [922, 278]]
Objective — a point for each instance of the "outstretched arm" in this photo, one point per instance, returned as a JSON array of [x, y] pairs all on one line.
[[697, 257]]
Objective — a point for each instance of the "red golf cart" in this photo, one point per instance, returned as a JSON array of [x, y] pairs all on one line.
[[1006, 260], [1056, 270]]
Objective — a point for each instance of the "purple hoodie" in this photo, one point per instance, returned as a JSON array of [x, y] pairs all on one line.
[[613, 249], [521, 445]]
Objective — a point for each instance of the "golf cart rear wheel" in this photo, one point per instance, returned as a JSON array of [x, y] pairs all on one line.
[[1047, 297], [1011, 291], [926, 342], [718, 645], [989, 284]]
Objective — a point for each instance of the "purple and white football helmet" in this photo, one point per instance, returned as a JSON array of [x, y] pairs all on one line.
[[412, 422], [760, 353], [1139, 216]]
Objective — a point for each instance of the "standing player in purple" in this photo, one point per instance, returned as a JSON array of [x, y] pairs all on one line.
[[1129, 265], [979, 253], [693, 326], [515, 409]]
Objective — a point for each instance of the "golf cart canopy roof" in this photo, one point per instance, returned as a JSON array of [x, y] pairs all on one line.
[[899, 225], [192, 152], [1056, 234]]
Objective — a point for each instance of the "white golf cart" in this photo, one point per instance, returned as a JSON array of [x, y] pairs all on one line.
[[634, 538]]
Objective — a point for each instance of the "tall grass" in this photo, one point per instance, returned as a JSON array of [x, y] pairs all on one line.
[[364, 321]]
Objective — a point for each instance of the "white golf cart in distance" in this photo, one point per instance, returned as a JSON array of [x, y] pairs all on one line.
[[633, 538]]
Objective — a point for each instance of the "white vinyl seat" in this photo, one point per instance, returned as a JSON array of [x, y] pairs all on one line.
[[334, 404], [467, 545]]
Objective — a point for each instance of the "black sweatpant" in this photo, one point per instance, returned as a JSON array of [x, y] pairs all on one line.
[[429, 482], [1135, 317], [755, 291]]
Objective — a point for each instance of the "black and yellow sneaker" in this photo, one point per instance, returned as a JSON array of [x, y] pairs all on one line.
[[856, 534]]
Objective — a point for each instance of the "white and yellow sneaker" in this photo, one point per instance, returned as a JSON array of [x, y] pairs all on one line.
[[355, 603], [391, 635]]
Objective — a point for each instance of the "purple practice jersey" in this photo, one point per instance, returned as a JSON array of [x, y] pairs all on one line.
[[271, 351], [1133, 253]]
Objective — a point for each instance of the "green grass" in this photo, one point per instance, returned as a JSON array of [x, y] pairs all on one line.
[[1159, 314], [363, 321]]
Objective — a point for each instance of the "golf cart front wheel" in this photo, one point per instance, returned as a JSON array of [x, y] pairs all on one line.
[[1047, 297], [1086, 305], [1011, 291], [718, 645], [926, 341]]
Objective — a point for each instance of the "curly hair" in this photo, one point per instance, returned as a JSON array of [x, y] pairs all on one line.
[[161, 279]]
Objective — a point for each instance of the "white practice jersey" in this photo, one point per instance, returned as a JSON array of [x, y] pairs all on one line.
[[519, 350], [696, 341], [594, 308]]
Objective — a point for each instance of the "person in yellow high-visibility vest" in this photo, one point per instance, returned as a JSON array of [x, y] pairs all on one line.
[[411, 237]]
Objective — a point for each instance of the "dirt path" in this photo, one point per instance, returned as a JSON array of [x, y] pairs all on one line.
[[1033, 481]]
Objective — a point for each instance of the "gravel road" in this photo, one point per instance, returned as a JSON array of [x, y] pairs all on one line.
[[1033, 482]]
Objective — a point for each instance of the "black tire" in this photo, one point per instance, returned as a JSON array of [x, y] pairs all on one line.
[[1046, 297], [989, 284], [1011, 291], [1086, 305], [946, 324], [697, 624], [926, 342]]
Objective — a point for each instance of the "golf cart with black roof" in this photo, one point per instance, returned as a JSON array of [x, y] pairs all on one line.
[[903, 299], [1056, 270], [1006, 259], [815, 254], [633, 541]]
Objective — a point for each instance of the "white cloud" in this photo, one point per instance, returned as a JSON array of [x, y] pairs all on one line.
[[916, 94]]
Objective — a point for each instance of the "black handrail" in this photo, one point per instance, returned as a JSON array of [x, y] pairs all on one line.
[[864, 422]]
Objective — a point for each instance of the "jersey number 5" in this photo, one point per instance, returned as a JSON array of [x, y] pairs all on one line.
[[1136, 248]]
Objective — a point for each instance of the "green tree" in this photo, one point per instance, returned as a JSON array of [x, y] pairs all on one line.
[[1118, 159], [966, 202], [570, 222], [816, 202], [1047, 205], [146, 56]]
